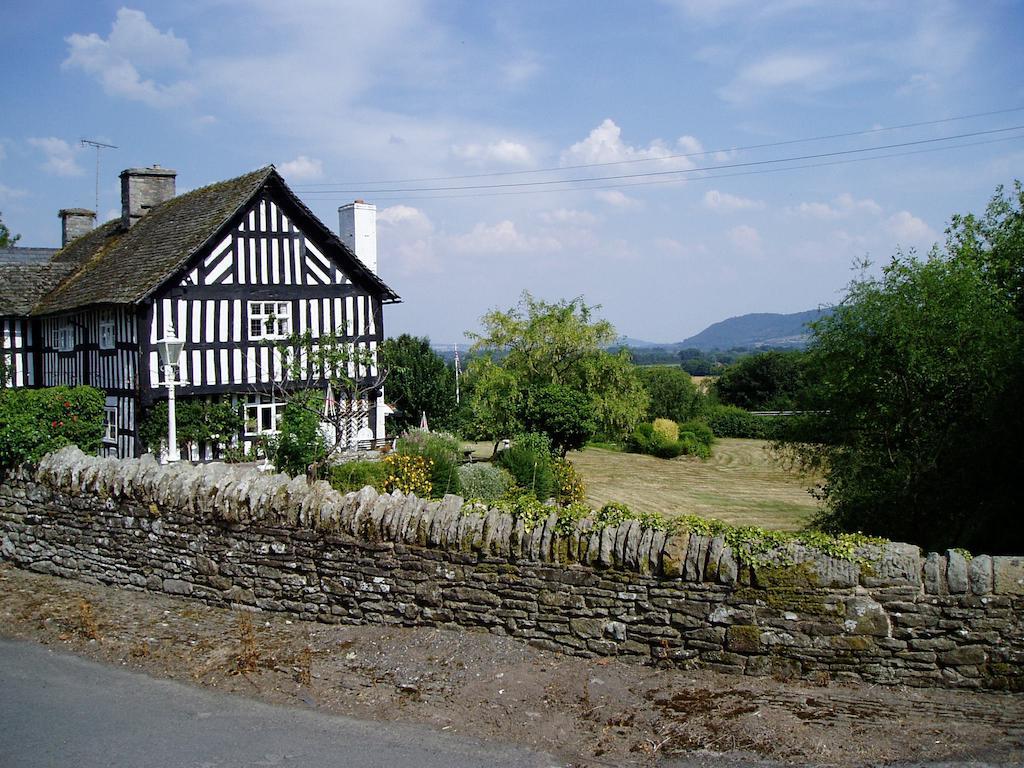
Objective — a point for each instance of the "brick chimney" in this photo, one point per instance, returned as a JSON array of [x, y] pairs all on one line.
[[142, 189], [75, 222], [357, 225]]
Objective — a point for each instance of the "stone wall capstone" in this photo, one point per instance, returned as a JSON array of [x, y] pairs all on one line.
[[233, 536]]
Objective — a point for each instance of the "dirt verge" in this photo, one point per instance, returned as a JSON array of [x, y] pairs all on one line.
[[593, 712]]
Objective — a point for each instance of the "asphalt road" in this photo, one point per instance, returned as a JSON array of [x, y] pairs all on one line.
[[60, 710]]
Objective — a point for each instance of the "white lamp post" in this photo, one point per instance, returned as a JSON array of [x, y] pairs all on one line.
[[169, 350]]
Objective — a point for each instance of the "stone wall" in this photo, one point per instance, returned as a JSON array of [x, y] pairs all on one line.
[[234, 537]]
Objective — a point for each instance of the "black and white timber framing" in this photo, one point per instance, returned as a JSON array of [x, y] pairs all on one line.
[[270, 258]]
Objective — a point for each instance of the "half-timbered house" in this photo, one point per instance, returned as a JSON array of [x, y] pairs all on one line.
[[231, 269]]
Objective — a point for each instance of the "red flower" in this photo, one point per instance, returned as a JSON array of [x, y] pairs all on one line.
[[54, 424], [67, 404], [61, 423]]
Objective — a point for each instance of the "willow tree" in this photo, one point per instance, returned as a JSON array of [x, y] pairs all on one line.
[[539, 347]]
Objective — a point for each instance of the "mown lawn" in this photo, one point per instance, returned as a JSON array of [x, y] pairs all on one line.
[[739, 484]]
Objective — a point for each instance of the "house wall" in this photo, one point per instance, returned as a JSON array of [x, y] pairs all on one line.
[[115, 370], [229, 536], [16, 347], [265, 257]]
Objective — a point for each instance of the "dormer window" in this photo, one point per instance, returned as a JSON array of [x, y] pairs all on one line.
[[269, 319], [106, 333]]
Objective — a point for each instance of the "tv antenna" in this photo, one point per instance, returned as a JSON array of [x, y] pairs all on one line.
[[98, 145]]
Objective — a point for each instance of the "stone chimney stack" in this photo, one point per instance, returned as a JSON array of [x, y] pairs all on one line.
[[142, 189], [358, 230], [75, 222]]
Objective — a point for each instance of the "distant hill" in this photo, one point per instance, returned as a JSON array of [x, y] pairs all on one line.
[[758, 329]]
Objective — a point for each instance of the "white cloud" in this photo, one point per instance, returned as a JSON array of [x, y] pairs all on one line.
[[604, 144], [726, 203], [804, 71], [502, 237], [10, 193], [842, 206], [60, 156], [503, 151], [302, 168], [617, 199], [405, 215], [908, 229], [521, 70], [745, 239], [569, 216], [133, 46]]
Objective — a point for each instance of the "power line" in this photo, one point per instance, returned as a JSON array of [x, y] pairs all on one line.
[[699, 169], [709, 177], [786, 142]]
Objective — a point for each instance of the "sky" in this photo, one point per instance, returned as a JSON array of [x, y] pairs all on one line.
[[718, 183]]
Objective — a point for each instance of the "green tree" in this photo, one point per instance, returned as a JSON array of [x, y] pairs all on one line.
[[6, 238], [199, 422], [917, 380], [564, 414], [299, 446], [671, 392], [419, 382], [766, 381], [542, 344]]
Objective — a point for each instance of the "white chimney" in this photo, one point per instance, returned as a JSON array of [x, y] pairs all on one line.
[[357, 223]]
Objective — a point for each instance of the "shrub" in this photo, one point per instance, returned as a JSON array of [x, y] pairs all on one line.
[[34, 422], [673, 395], [485, 482], [699, 429], [730, 421], [407, 474], [299, 446], [646, 440], [355, 475], [667, 429], [569, 486], [442, 450], [529, 461]]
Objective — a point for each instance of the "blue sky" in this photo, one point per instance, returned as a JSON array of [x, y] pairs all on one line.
[[348, 98]]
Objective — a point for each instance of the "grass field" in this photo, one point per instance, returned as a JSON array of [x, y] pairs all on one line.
[[739, 484]]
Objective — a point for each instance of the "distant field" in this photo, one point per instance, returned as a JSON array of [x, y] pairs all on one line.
[[739, 484]]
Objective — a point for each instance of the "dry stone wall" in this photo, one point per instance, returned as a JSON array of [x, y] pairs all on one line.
[[234, 537]]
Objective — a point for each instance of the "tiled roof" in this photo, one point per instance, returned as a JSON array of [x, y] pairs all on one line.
[[17, 255], [22, 285], [118, 266]]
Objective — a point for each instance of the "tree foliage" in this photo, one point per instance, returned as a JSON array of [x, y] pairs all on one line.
[[561, 345], [198, 422], [917, 380], [7, 240], [419, 382], [767, 381], [671, 392]]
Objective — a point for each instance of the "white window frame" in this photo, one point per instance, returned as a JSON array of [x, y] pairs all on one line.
[[64, 338], [274, 319], [110, 424], [108, 333], [261, 410]]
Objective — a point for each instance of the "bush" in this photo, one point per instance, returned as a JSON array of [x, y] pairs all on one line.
[[667, 429], [299, 446], [530, 462], [484, 481], [34, 422], [730, 421], [699, 429], [355, 475], [407, 474], [646, 440], [442, 450], [569, 486]]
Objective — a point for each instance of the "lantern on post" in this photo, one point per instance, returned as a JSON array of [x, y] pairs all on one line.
[[169, 349]]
